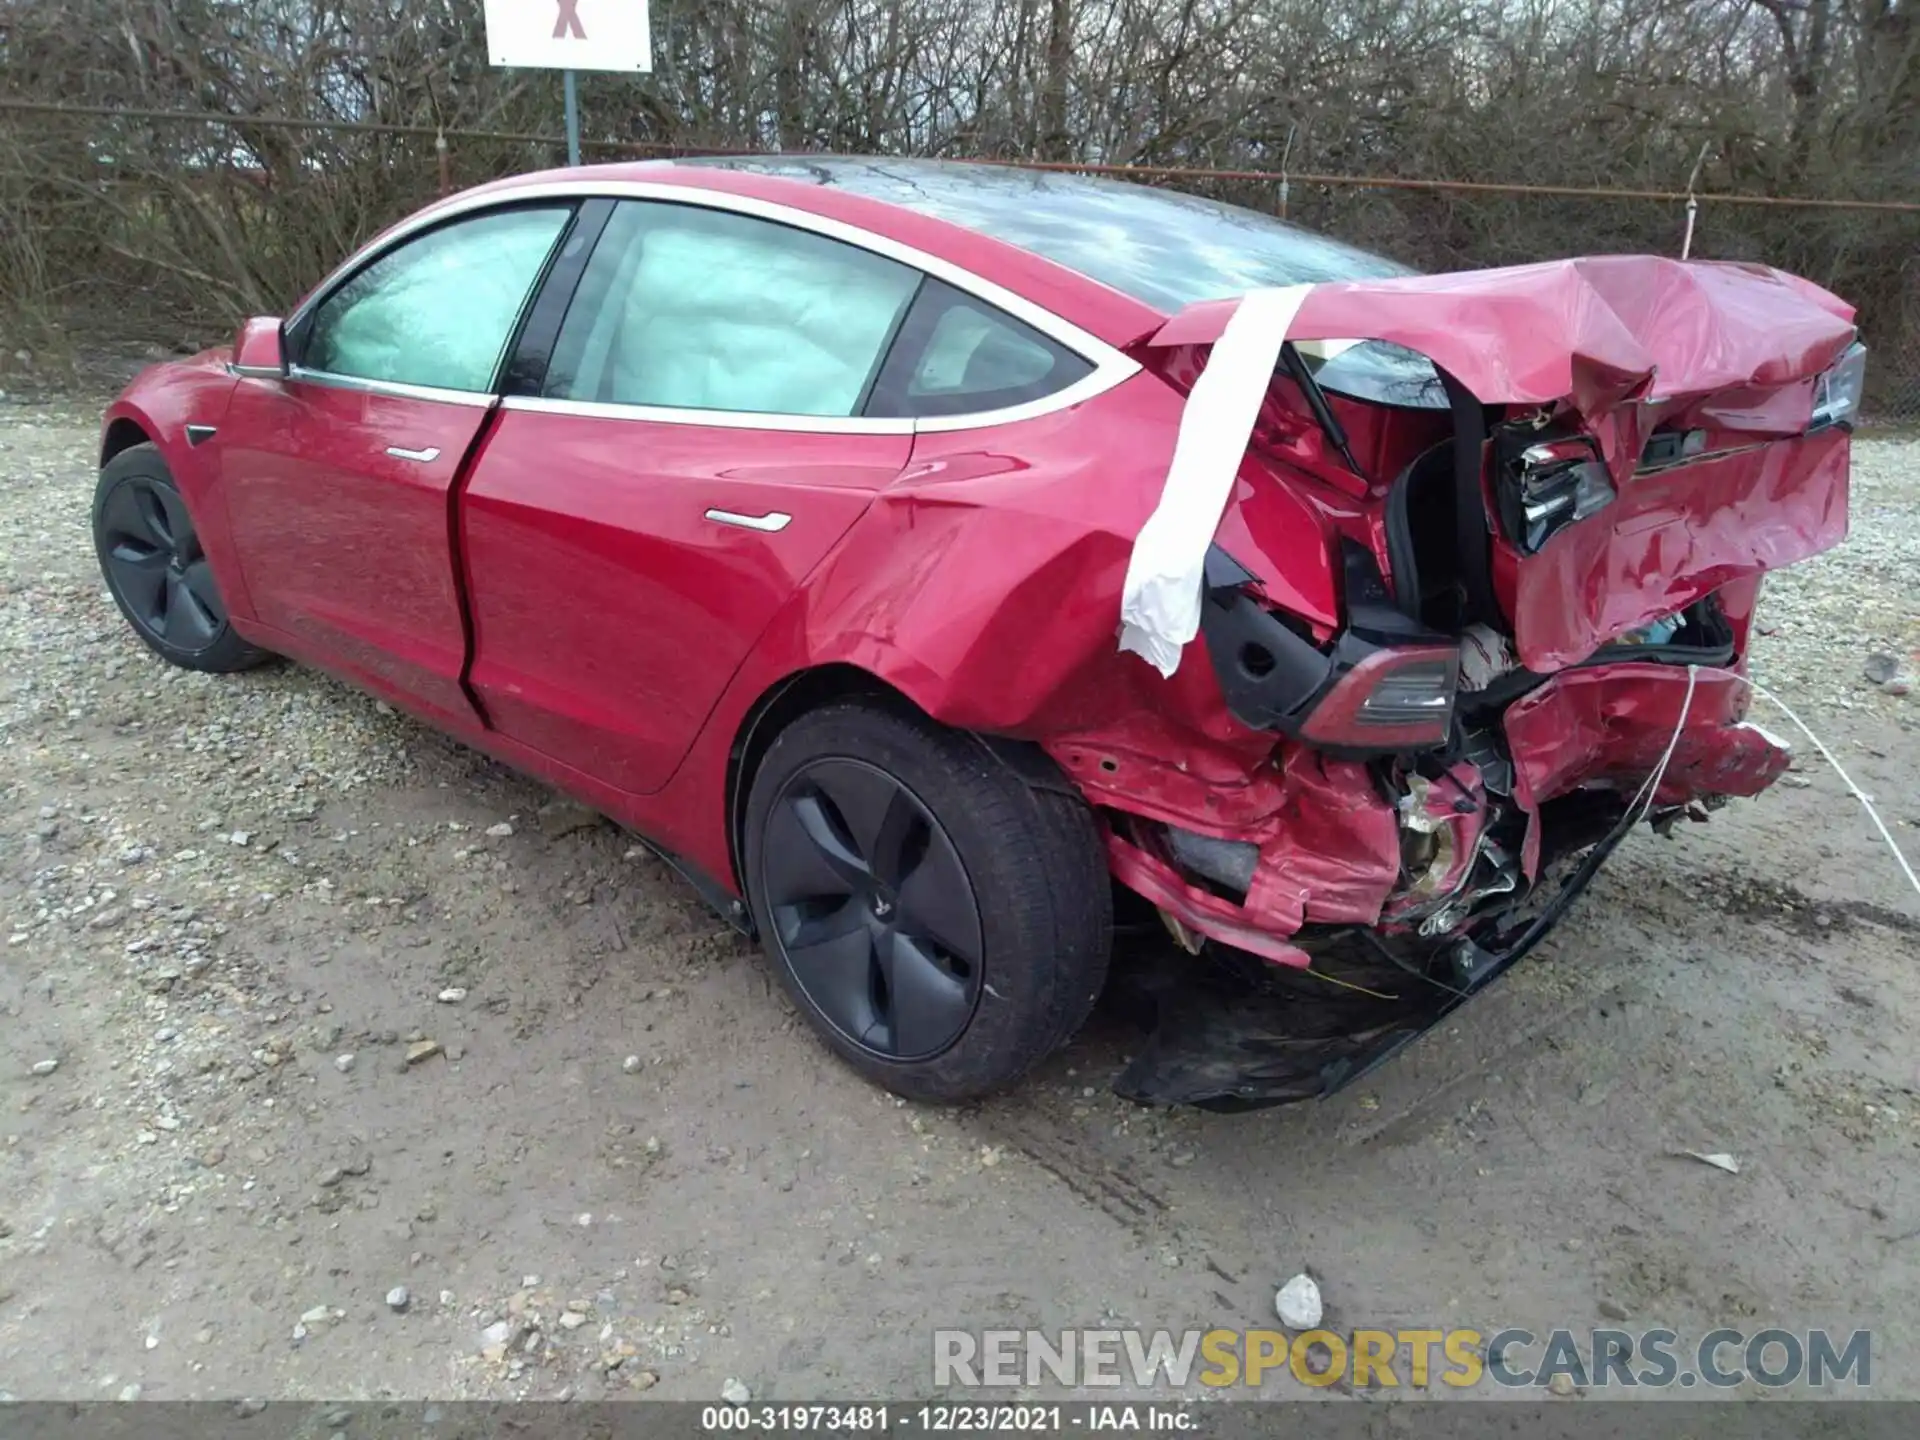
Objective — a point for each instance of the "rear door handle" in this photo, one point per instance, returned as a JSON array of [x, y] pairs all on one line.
[[425, 457], [771, 521]]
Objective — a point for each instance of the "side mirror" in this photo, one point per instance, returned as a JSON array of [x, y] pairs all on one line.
[[257, 350]]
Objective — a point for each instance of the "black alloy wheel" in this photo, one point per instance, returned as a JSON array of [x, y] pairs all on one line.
[[152, 559], [873, 910], [936, 905]]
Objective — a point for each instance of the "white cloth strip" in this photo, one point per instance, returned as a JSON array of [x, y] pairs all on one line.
[[1160, 603]]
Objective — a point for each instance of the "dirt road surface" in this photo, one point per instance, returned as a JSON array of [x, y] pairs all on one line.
[[231, 908]]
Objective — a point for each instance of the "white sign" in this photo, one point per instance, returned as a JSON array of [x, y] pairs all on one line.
[[569, 34]]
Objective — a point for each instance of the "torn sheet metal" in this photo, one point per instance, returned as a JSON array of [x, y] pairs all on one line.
[[1590, 331], [1670, 538], [1609, 725], [1601, 335], [1160, 601]]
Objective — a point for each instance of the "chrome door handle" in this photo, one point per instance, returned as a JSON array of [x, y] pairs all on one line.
[[425, 457], [771, 521]]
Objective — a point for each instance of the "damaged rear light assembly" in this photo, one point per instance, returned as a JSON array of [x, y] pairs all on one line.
[[1550, 485], [1837, 392], [1396, 699], [1385, 685]]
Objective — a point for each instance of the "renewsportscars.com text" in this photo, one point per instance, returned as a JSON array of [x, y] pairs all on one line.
[[1389, 1359]]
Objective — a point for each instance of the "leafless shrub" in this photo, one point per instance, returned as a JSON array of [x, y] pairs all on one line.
[[201, 221]]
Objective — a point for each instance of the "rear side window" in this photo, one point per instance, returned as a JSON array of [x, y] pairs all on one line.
[[960, 356], [691, 308]]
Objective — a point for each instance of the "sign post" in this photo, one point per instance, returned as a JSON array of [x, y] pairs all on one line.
[[570, 35], [571, 86]]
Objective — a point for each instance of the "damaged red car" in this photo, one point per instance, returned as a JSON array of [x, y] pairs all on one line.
[[949, 566]]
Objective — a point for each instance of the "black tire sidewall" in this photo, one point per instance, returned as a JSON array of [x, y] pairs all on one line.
[[227, 651], [1003, 840]]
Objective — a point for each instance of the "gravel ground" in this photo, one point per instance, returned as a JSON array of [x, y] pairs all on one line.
[[339, 1062]]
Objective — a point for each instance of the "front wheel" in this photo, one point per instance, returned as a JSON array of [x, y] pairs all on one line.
[[159, 575], [941, 922]]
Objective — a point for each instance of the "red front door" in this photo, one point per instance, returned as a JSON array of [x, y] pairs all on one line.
[[338, 478], [339, 504], [621, 569]]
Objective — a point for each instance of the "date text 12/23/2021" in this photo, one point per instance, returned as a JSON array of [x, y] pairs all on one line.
[[945, 1419]]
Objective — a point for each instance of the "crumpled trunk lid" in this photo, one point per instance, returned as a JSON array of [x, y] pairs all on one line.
[[1689, 386]]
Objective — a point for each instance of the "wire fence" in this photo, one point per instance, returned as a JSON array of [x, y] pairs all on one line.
[[208, 215]]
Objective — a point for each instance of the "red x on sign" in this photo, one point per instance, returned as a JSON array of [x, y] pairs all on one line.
[[568, 25]]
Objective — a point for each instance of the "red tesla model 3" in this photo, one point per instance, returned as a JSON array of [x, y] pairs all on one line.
[[928, 558]]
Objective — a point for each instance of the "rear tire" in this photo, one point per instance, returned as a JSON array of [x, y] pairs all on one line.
[[159, 576], [942, 923]]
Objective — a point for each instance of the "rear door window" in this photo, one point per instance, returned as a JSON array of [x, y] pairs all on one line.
[[690, 308]]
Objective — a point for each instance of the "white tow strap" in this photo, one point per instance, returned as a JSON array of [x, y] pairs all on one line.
[[1160, 604]]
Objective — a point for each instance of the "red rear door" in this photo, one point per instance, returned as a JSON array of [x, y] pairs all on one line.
[[621, 569], [693, 451]]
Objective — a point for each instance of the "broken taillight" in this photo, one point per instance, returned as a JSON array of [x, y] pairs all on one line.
[[1836, 394], [1551, 485], [1400, 698]]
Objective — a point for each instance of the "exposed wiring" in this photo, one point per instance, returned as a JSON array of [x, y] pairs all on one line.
[[1651, 787], [1349, 985], [1866, 801], [1386, 952]]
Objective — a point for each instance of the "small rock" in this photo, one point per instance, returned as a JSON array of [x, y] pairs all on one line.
[[452, 995], [631, 1065], [1897, 686], [45, 1067], [130, 1392], [572, 1320], [248, 1408], [1181, 1159], [398, 1299], [1881, 667], [500, 831], [204, 1335], [1561, 1385], [1614, 1310], [646, 1380], [421, 1050], [734, 1392], [498, 1333], [318, 1315], [343, 1063], [1297, 1303]]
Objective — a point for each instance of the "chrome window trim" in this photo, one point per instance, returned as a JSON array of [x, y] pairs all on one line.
[[479, 399], [722, 419], [1110, 366], [256, 372]]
